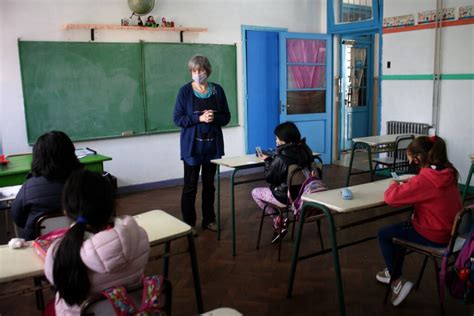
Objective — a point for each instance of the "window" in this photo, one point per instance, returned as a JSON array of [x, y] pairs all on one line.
[[345, 16]]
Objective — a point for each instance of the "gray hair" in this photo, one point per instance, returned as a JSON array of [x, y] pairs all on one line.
[[200, 62]]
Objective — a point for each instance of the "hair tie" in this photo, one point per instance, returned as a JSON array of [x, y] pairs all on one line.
[[81, 220], [433, 139]]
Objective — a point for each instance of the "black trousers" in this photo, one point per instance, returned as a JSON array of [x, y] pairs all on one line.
[[188, 197]]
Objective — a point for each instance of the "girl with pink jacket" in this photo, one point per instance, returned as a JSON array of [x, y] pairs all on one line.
[[98, 251]]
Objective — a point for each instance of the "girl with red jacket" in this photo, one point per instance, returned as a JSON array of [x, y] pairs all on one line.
[[435, 197]]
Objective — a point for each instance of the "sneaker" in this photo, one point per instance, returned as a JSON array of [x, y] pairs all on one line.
[[383, 276], [277, 235], [400, 290], [211, 226], [194, 231]]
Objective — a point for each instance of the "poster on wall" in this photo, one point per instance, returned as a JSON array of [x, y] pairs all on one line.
[[466, 12], [401, 20], [430, 16]]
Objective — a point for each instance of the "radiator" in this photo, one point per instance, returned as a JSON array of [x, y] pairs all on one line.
[[397, 127]]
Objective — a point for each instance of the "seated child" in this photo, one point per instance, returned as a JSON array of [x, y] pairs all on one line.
[[435, 197], [98, 251], [291, 149], [53, 160]]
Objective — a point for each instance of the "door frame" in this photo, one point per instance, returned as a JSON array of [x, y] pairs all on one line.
[[370, 85], [244, 29]]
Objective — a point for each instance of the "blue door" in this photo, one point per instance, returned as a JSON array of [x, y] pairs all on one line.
[[356, 89], [306, 89], [262, 88]]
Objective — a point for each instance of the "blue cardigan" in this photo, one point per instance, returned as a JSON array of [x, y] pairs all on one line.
[[185, 118]]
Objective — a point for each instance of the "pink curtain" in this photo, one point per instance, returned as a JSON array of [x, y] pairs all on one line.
[[306, 51]]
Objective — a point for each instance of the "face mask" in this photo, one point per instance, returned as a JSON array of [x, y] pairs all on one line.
[[200, 78]]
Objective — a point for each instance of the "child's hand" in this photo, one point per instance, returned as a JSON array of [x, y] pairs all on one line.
[[393, 182]]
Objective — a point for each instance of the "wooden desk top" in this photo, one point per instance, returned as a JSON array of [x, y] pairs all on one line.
[[9, 193], [243, 161], [363, 196], [16, 264], [22, 163], [380, 140]]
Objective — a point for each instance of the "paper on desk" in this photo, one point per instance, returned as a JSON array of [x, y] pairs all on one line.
[[82, 152], [9, 191]]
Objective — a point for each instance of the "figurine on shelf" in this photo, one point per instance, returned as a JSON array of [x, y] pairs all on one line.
[[167, 23], [150, 21], [140, 22], [125, 22]]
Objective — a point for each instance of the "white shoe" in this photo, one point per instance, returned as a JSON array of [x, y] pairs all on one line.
[[383, 276], [400, 290]]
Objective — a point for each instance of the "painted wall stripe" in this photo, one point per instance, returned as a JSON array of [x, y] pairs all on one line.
[[388, 30], [429, 77]]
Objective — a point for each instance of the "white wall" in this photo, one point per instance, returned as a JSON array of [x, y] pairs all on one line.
[[411, 100], [141, 159]]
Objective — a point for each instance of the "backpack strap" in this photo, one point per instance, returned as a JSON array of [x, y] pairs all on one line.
[[154, 297], [120, 300]]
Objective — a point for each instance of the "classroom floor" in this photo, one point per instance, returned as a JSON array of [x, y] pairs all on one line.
[[254, 282]]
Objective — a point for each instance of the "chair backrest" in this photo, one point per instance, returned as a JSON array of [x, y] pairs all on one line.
[[461, 227], [296, 177], [98, 305], [49, 222], [401, 144]]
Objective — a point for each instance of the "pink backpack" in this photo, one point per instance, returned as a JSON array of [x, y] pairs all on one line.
[[312, 184], [156, 298], [460, 278]]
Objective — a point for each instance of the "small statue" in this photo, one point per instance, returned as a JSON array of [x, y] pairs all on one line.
[[140, 22], [150, 21]]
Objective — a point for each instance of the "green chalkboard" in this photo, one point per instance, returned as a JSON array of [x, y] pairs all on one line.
[[102, 90], [166, 70], [87, 90]]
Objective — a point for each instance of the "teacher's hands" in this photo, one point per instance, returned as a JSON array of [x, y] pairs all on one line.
[[207, 116]]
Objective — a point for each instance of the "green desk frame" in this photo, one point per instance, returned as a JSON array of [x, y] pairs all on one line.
[[14, 173], [326, 212], [468, 181]]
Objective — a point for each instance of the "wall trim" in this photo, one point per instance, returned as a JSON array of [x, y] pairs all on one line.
[[408, 28], [429, 77]]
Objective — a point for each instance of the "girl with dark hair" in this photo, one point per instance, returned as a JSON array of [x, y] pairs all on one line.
[[98, 251], [435, 198], [53, 160], [291, 149]]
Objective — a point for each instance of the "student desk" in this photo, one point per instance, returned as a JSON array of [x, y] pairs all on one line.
[[18, 167], [237, 163], [372, 144], [162, 228], [365, 196], [468, 180]]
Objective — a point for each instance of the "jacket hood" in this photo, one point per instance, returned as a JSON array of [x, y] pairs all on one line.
[[290, 151], [439, 178], [113, 249]]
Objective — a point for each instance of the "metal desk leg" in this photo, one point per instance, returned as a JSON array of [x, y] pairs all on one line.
[[194, 266], [335, 254], [232, 209], [218, 201], [468, 182], [348, 178], [166, 259], [369, 153]]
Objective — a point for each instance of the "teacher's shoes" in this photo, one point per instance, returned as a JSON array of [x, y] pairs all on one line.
[[211, 226], [400, 290]]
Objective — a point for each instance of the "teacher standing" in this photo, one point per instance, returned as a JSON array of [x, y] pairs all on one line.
[[201, 110]]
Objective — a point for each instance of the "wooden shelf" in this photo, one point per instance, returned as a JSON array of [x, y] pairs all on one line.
[[92, 27]]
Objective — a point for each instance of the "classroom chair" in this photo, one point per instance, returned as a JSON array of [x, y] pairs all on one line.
[[43, 225], [99, 305], [461, 227], [295, 179], [395, 161]]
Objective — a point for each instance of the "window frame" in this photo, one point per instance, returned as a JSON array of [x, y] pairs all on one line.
[[352, 27]]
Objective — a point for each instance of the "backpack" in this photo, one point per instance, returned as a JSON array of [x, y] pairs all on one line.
[[312, 184], [460, 278], [156, 298]]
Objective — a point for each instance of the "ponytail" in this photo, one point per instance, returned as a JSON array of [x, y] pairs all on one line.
[[306, 158], [69, 272]]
